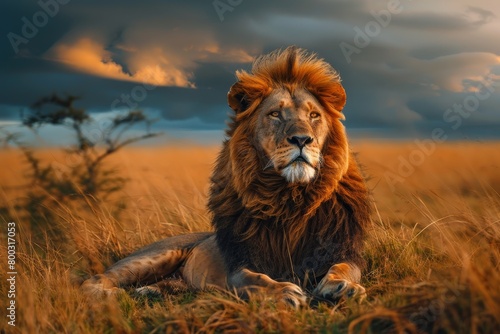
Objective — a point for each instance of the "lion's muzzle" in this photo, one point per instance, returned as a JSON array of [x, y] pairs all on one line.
[[300, 169]]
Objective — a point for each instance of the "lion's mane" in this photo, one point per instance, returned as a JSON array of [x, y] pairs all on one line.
[[261, 221]]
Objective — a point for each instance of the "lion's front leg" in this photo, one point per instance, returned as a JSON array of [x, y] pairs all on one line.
[[246, 282], [341, 282]]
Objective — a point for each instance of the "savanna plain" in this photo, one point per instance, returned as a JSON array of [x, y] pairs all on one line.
[[432, 253]]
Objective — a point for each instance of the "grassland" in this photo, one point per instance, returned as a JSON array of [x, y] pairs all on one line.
[[433, 252]]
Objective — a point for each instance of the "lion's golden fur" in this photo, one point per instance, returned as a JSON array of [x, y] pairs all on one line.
[[278, 225]]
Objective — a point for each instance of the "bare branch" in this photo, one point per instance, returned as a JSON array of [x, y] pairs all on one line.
[[126, 142], [88, 175]]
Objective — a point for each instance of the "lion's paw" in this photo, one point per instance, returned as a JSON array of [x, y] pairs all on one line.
[[338, 289], [100, 285], [148, 290], [292, 295]]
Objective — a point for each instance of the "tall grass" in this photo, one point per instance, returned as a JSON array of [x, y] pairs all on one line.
[[432, 254]]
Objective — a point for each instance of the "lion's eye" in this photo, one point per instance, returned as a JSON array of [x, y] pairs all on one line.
[[274, 114], [314, 114]]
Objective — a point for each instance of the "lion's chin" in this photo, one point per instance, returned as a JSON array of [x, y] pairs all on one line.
[[298, 172]]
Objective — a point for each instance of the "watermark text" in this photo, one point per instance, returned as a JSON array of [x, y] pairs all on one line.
[[11, 273]]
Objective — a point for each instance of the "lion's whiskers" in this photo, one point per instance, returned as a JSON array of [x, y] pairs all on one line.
[[321, 161], [269, 164]]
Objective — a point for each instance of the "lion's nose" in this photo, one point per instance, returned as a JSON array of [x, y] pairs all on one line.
[[300, 141]]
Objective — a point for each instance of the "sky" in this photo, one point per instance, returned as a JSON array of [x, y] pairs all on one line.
[[409, 67]]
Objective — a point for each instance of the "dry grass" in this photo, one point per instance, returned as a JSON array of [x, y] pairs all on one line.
[[432, 254]]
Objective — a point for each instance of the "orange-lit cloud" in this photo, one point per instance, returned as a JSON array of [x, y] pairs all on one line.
[[90, 57], [213, 51]]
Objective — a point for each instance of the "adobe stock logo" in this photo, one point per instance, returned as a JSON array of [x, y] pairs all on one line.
[[221, 7], [30, 28], [454, 117]]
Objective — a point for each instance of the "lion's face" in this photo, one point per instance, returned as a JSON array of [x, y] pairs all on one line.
[[291, 130]]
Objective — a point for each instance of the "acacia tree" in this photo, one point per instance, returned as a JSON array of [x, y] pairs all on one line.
[[88, 175]]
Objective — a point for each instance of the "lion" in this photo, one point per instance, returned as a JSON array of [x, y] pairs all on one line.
[[288, 202]]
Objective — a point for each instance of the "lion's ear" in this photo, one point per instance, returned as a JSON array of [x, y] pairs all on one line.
[[236, 98]]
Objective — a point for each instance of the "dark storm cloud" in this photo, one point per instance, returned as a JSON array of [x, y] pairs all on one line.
[[402, 80], [208, 101], [9, 113]]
